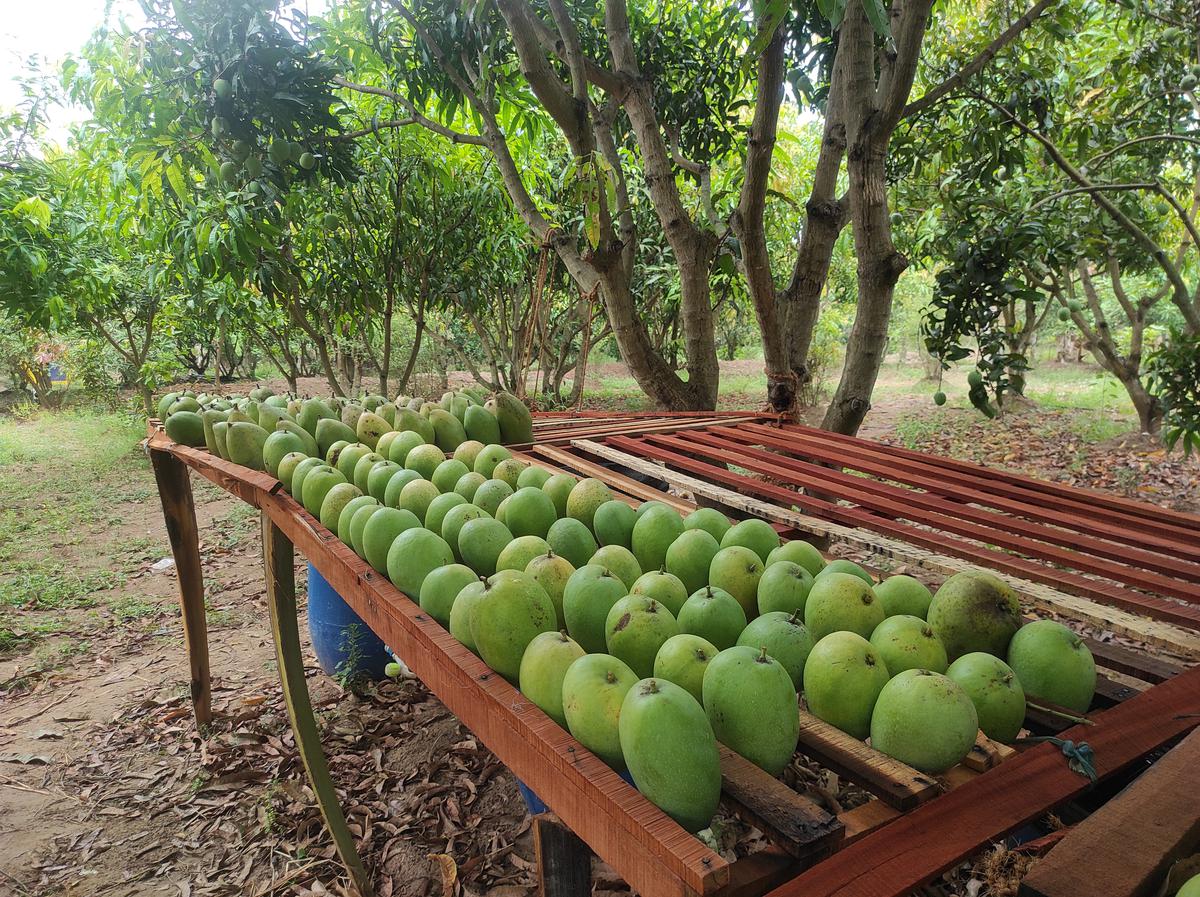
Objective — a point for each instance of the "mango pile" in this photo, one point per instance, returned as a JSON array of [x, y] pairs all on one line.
[[650, 636]]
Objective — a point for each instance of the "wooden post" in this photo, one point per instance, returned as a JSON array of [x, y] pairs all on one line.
[[281, 601], [564, 862], [179, 512]]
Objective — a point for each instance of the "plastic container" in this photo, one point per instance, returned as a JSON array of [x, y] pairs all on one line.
[[344, 644]]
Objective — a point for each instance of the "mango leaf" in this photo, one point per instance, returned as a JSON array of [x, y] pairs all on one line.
[[877, 15], [34, 209], [833, 10], [769, 19]]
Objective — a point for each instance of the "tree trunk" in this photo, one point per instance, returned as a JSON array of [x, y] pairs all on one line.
[[218, 355], [385, 363], [651, 371], [419, 327], [879, 267]]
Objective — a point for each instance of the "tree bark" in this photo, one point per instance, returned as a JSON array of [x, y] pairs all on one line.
[[872, 112]]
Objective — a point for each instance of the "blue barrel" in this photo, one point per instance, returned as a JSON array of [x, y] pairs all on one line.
[[345, 646]]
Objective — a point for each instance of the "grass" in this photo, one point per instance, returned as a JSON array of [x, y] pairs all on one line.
[[56, 590], [61, 476]]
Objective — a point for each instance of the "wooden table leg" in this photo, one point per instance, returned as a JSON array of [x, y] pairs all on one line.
[[281, 600], [179, 511], [564, 862]]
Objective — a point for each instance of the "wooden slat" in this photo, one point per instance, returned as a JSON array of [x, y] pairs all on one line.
[[793, 822], [986, 754], [1162, 635], [923, 843], [1128, 844], [891, 781], [626, 484], [897, 503], [1165, 521], [997, 561], [1011, 531], [929, 476]]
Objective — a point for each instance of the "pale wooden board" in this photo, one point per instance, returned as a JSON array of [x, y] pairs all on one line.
[[1153, 632]]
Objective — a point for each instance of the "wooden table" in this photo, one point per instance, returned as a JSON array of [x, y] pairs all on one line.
[[910, 832]]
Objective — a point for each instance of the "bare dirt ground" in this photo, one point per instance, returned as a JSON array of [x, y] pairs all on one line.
[[107, 788]]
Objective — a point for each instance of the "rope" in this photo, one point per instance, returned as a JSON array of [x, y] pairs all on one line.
[[1080, 757]]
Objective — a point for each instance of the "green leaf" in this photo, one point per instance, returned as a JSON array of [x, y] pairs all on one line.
[[769, 19], [877, 15], [34, 209]]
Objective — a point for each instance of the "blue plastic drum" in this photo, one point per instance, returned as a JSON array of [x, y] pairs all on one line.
[[345, 646]]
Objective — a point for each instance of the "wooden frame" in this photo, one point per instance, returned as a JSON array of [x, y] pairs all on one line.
[[655, 856]]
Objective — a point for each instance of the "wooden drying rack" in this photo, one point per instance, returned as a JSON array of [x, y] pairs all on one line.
[[1103, 560]]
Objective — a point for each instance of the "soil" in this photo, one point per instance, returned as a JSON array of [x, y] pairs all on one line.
[[107, 787]]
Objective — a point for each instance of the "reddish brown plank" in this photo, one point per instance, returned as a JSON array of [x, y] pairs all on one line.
[[1074, 530], [1162, 520], [923, 843], [1130, 842]]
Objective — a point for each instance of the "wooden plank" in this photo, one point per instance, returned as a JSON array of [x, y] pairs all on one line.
[[967, 512], [754, 875], [793, 822], [626, 484], [1162, 635], [930, 477], [564, 862], [923, 843], [1166, 521], [179, 513], [1139, 664], [278, 564], [891, 781], [1128, 844], [896, 503], [986, 754]]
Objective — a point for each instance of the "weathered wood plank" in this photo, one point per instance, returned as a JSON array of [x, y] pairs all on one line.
[[1128, 844], [280, 574], [564, 862], [179, 512], [891, 781], [793, 822]]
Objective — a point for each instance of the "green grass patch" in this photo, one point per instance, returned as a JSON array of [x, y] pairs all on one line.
[[58, 590]]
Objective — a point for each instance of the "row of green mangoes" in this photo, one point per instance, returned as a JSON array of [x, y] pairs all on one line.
[[458, 417], [541, 574]]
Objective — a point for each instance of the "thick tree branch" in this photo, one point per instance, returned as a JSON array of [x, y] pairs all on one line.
[[896, 80], [980, 62]]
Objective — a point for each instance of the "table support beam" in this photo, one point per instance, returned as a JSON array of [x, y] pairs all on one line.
[[281, 600], [564, 861], [179, 512]]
